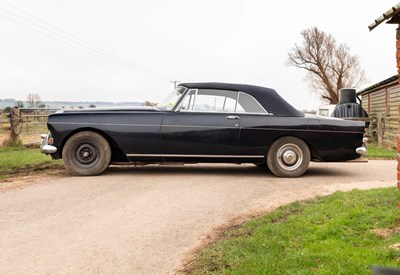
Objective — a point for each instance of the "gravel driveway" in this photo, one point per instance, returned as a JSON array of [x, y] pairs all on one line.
[[147, 220]]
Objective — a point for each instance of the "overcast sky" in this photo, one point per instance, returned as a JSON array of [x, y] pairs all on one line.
[[192, 41]]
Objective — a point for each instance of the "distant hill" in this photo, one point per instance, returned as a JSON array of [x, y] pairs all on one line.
[[77, 104], [9, 102]]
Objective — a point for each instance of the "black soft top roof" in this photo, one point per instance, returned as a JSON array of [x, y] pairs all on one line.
[[269, 98]]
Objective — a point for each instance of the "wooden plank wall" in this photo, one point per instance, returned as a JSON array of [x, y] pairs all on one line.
[[375, 103]]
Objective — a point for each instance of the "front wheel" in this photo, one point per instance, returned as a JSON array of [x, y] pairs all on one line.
[[86, 154], [288, 157]]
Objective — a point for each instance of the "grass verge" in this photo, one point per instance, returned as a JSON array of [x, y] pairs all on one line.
[[376, 152], [17, 160], [344, 233]]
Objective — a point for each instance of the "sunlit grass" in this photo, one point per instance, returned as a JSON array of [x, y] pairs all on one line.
[[338, 234], [376, 152]]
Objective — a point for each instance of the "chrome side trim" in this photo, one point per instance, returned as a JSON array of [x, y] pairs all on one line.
[[298, 130], [108, 124], [194, 156], [198, 126]]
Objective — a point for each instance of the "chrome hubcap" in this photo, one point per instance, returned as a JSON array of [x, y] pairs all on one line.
[[290, 156]]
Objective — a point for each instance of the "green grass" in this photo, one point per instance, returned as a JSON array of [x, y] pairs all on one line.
[[18, 159], [328, 235], [376, 152]]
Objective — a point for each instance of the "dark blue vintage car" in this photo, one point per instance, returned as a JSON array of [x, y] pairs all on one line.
[[203, 122]]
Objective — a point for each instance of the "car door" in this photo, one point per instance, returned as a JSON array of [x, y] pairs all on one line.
[[137, 133], [257, 127], [204, 127]]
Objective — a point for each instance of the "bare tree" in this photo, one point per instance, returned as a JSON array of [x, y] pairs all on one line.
[[33, 100], [20, 104], [330, 66]]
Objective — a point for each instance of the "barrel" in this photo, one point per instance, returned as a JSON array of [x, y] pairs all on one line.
[[349, 110], [347, 95]]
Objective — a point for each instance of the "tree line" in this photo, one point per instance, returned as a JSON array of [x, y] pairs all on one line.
[[33, 100]]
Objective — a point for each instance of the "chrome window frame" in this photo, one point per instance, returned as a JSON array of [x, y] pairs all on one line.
[[180, 99], [237, 102], [187, 92]]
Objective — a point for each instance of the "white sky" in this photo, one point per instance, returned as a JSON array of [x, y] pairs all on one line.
[[192, 41]]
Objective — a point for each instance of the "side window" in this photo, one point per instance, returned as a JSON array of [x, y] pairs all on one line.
[[248, 104], [208, 100], [205, 100]]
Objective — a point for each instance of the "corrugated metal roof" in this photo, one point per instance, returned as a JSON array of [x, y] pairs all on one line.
[[386, 16], [377, 85]]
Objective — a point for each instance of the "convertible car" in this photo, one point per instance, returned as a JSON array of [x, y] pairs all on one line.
[[203, 122]]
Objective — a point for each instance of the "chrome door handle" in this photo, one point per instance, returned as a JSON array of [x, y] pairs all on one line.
[[232, 117]]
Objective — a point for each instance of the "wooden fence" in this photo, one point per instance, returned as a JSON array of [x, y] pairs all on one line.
[[33, 123], [383, 130]]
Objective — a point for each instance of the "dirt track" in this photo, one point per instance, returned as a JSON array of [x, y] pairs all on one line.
[[147, 220]]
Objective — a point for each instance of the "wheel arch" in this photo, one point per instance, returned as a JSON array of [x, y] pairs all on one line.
[[313, 151], [116, 152]]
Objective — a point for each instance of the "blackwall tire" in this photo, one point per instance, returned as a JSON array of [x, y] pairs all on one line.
[[260, 165], [86, 154], [288, 157]]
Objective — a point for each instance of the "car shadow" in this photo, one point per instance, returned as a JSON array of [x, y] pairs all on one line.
[[328, 172], [228, 170], [188, 169]]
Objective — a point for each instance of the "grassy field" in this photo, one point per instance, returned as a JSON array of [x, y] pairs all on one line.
[[18, 159], [376, 152], [345, 233]]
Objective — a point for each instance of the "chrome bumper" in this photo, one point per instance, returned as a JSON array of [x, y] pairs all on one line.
[[45, 147], [363, 149]]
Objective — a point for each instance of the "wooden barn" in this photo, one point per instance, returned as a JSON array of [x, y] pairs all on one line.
[[382, 101]]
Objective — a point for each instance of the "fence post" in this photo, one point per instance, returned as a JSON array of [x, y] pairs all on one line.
[[380, 130], [398, 152], [15, 123]]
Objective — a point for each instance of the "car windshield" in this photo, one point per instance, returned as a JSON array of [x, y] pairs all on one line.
[[170, 101]]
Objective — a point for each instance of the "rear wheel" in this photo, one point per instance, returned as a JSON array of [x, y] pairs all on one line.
[[86, 154], [288, 157]]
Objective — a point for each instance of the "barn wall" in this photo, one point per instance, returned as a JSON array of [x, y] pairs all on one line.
[[382, 106]]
